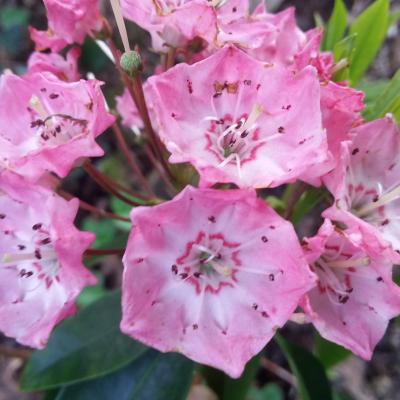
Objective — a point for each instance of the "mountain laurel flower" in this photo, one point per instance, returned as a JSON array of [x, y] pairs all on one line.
[[68, 22], [238, 120], [366, 184], [341, 108], [50, 125], [355, 296], [65, 69], [211, 274], [173, 23], [273, 38], [41, 271], [128, 111]]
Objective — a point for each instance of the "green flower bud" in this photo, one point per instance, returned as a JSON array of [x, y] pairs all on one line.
[[131, 63]]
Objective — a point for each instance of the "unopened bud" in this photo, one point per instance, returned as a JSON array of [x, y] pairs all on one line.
[[131, 63]]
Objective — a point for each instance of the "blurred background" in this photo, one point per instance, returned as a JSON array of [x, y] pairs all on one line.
[[376, 380]]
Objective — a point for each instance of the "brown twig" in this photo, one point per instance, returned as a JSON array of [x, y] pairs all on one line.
[[131, 159], [11, 352], [101, 181], [277, 370], [170, 60], [101, 252], [94, 210]]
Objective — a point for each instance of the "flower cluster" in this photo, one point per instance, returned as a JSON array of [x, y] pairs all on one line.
[[49, 120], [213, 273]]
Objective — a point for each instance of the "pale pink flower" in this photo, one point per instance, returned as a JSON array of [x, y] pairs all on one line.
[[355, 296], [241, 121], [366, 183], [310, 54], [173, 23], [50, 125], [341, 108], [65, 69], [273, 38], [41, 270], [129, 112], [68, 22], [211, 274]]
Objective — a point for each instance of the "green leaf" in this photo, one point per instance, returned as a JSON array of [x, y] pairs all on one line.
[[311, 377], [330, 354], [268, 392], [11, 17], [386, 101], [336, 27], [307, 202], [231, 389], [83, 347], [371, 28], [372, 90], [344, 50], [154, 376]]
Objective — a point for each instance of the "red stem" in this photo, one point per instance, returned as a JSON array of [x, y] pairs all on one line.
[[101, 181], [101, 252], [131, 159], [94, 210]]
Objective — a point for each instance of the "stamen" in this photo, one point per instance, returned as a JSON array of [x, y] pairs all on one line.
[[357, 262], [10, 259], [383, 200], [37, 105]]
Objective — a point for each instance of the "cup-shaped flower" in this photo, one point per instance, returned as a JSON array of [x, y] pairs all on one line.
[[366, 184], [41, 271], [65, 69], [211, 274], [68, 22], [173, 23], [239, 120], [355, 296], [50, 124]]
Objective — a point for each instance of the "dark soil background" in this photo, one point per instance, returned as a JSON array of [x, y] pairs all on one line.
[[376, 380]]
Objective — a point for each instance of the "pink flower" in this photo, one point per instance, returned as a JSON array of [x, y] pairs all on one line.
[[341, 108], [68, 22], [310, 55], [273, 38], [211, 274], [128, 111], [64, 69], [366, 184], [50, 125], [41, 271], [355, 297], [241, 121], [173, 23]]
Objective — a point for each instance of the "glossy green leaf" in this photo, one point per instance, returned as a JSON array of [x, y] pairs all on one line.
[[386, 101], [268, 392], [83, 347], [312, 381], [154, 376], [372, 90], [227, 388], [336, 27], [344, 50], [371, 28], [310, 199], [330, 354]]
